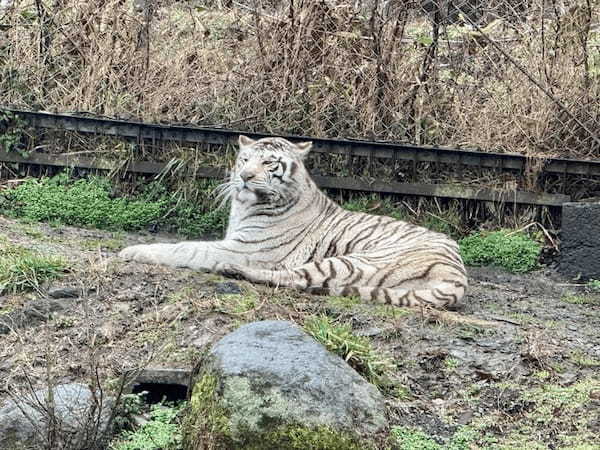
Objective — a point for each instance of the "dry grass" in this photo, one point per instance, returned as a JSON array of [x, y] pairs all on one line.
[[522, 79]]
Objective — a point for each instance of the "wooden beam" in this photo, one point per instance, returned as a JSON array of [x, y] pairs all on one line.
[[344, 183]]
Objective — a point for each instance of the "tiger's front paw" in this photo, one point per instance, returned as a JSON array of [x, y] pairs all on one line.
[[231, 271], [139, 253]]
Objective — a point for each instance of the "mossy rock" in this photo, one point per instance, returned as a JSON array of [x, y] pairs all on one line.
[[269, 385]]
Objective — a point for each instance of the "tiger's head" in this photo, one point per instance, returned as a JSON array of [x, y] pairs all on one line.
[[269, 170]]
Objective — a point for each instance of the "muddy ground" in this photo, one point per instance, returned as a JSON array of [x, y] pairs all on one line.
[[516, 366]]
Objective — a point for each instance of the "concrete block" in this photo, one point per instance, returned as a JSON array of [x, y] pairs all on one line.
[[580, 241]]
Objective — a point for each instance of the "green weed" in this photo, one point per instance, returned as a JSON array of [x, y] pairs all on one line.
[[22, 269], [356, 350], [242, 304], [401, 393], [594, 285], [515, 252], [583, 360], [580, 299], [451, 363], [412, 439], [90, 203], [161, 432], [373, 310], [80, 202], [32, 231], [409, 438], [387, 311]]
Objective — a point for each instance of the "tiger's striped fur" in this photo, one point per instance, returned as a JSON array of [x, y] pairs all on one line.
[[285, 232]]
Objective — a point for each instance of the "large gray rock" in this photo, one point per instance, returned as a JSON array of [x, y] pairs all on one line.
[[269, 377], [580, 240], [24, 422]]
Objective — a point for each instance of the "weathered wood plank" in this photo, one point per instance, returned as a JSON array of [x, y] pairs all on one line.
[[345, 183]]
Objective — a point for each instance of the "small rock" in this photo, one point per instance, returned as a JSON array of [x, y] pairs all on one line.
[[31, 314], [202, 340], [567, 378], [488, 343], [227, 287], [64, 292], [24, 422], [465, 418], [595, 395], [369, 332]]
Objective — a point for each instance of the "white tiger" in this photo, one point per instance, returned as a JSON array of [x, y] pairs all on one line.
[[284, 231]]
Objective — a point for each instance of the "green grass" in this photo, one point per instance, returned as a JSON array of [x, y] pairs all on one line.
[[580, 299], [22, 269], [91, 203], [357, 351], [515, 252], [84, 202], [584, 360], [161, 432]]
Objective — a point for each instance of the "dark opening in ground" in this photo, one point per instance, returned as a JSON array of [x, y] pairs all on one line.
[[157, 392]]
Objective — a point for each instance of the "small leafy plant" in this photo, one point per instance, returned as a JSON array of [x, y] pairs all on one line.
[[161, 432], [594, 285], [356, 350], [410, 438], [84, 202], [581, 299], [90, 203], [515, 252]]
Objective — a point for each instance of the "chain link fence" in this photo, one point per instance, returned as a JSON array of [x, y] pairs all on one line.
[[500, 75]]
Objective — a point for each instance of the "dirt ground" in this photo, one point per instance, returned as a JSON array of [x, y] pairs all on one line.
[[517, 365]]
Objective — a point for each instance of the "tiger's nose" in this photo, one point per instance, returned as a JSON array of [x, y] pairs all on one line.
[[246, 175]]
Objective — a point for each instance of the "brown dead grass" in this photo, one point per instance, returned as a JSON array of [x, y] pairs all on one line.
[[527, 85]]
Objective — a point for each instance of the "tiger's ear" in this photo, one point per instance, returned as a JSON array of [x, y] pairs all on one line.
[[245, 141], [303, 148]]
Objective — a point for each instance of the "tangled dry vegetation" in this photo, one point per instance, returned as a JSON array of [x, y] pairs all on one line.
[[518, 76]]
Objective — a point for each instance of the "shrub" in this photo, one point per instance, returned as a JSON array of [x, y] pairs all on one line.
[[410, 438], [89, 203], [161, 432], [515, 252], [84, 202]]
